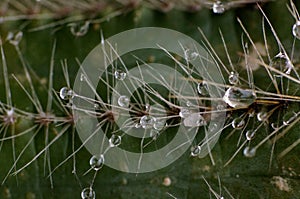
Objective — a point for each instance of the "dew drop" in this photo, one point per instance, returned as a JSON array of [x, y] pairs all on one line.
[[115, 140], [218, 7], [120, 75], [97, 162], [239, 98], [262, 116], [238, 123], [289, 117], [137, 125], [194, 120], [282, 63], [233, 78], [147, 121], [14, 39], [250, 134], [249, 152], [159, 124], [202, 88], [82, 77], [184, 112], [296, 30], [190, 55], [79, 30], [196, 151], [88, 193], [66, 93], [123, 101]]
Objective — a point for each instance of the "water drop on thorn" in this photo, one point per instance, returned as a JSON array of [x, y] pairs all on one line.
[[194, 120], [218, 7], [262, 116], [159, 124], [184, 112], [249, 152], [202, 88], [239, 98], [282, 63], [120, 75], [147, 121], [82, 77], [296, 30], [233, 78], [238, 123], [66, 93], [15, 39], [289, 117], [190, 55], [115, 140], [250, 134], [123, 101], [154, 134], [88, 193], [97, 162], [196, 151]]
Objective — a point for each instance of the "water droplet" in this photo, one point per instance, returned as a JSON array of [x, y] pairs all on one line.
[[147, 121], [97, 162], [190, 55], [115, 140], [137, 125], [262, 116], [274, 126], [123, 101], [194, 120], [239, 98], [233, 78], [195, 151], [250, 134], [159, 124], [15, 39], [184, 112], [238, 123], [282, 63], [120, 75], [296, 30], [88, 193], [202, 88], [96, 106], [66, 93], [79, 29], [249, 152], [154, 134], [218, 7], [189, 104], [82, 77], [289, 117]]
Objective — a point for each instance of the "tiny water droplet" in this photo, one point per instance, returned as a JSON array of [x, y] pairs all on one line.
[[282, 63], [249, 152], [147, 121], [250, 134], [196, 151], [194, 120], [262, 116], [233, 78], [289, 117], [97, 162], [123, 101], [115, 140], [190, 55], [202, 88], [120, 75], [274, 126], [239, 98], [88, 193], [189, 104], [15, 39], [159, 124], [154, 134], [218, 7], [79, 29], [96, 106], [82, 77], [184, 112], [296, 30], [137, 125], [66, 93], [238, 123]]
